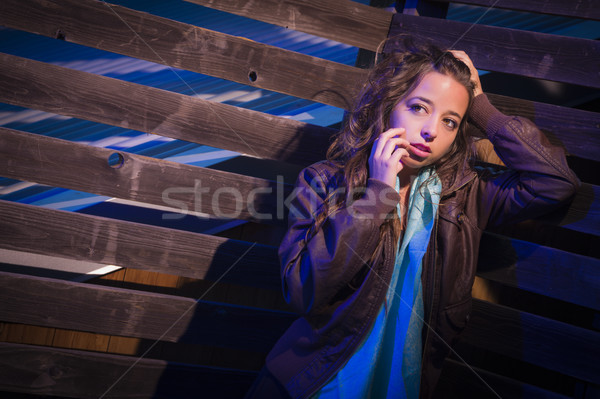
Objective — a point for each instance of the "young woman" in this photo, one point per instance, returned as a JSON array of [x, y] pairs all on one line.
[[381, 251]]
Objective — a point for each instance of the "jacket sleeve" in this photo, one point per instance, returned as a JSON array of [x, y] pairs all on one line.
[[538, 179], [317, 261]]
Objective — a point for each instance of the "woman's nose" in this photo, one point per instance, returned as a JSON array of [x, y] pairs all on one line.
[[428, 133]]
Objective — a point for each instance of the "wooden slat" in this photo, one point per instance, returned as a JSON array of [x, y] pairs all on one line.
[[532, 54], [114, 311], [557, 346], [516, 263], [164, 41], [28, 228], [340, 20], [45, 160], [177, 187], [114, 102], [586, 9], [71, 373], [577, 131], [96, 98], [583, 214], [547, 271], [570, 127], [459, 381]]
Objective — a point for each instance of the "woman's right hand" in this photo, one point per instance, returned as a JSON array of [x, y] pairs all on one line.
[[385, 159]]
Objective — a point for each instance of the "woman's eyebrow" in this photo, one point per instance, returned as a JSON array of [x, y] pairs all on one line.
[[459, 116], [429, 102]]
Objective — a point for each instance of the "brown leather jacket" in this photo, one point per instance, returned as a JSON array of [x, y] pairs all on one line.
[[323, 267]]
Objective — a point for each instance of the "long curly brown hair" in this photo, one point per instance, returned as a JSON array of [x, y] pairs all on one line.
[[389, 81]]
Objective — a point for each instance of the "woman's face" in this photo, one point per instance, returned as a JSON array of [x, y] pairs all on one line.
[[430, 115]]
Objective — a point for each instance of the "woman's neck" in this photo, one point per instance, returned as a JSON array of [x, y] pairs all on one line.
[[406, 177]]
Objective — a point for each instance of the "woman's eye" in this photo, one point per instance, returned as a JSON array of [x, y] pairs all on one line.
[[451, 123], [417, 108]]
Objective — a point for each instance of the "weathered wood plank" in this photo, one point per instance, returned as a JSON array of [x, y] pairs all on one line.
[[87, 96], [577, 131], [547, 271], [145, 36], [586, 9], [340, 20], [184, 188], [516, 263], [532, 54], [108, 241], [114, 311], [180, 189], [50, 88], [557, 346], [70, 373], [459, 381], [583, 214]]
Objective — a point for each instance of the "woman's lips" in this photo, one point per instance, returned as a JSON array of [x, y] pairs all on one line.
[[420, 150]]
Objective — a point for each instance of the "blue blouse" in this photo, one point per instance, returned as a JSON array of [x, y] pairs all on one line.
[[388, 362]]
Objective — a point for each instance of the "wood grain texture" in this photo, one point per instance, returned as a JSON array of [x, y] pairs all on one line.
[[114, 311], [577, 131], [547, 271], [532, 54], [83, 95], [181, 189], [108, 241], [344, 21], [72, 373], [37, 85], [586, 9], [145, 36], [557, 346], [184, 189]]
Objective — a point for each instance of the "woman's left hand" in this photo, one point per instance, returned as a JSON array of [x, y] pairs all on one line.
[[461, 55]]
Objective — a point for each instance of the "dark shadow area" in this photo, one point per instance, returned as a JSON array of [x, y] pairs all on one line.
[[239, 336], [478, 373]]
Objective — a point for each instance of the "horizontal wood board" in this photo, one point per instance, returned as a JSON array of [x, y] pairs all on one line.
[[28, 228], [577, 131], [536, 268], [33, 229], [531, 54], [344, 21], [60, 90], [81, 374], [178, 189], [130, 313], [83, 95], [184, 188], [179, 45], [554, 345], [586, 9], [557, 346]]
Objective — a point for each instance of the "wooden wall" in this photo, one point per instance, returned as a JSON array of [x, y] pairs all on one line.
[[194, 313]]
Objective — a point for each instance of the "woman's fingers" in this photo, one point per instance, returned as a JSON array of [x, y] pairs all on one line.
[[383, 139], [389, 148], [393, 144]]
